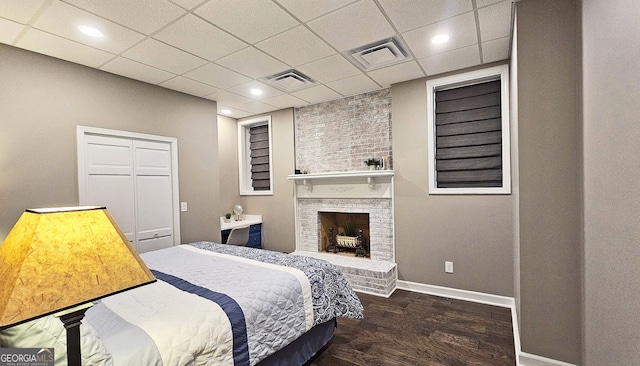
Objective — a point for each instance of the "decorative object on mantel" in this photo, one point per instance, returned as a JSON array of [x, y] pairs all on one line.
[[375, 163], [227, 217]]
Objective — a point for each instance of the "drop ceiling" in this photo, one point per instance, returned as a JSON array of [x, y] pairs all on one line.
[[221, 49]]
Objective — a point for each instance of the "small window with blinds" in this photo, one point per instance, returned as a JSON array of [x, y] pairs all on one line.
[[254, 156], [469, 133], [259, 154]]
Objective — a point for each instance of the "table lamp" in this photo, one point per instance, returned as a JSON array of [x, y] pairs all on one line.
[[58, 260]]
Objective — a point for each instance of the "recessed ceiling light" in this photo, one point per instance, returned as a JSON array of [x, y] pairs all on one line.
[[90, 31], [225, 111], [256, 91], [440, 39]]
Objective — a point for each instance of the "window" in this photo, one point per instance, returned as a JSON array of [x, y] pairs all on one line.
[[468, 133], [254, 156]]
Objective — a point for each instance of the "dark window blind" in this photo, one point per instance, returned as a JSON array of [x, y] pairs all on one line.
[[468, 125], [259, 150]]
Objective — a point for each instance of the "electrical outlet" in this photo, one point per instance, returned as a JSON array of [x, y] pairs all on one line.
[[448, 267], [183, 206]]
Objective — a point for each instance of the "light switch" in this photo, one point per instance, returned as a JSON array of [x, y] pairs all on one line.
[[183, 206]]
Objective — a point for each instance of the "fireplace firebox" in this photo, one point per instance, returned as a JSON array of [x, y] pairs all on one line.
[[344, 232]]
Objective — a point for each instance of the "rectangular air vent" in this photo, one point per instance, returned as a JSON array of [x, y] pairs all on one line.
[[288, 81], [379, 54]]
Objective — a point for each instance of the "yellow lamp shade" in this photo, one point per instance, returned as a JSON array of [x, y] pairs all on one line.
[[55, 259]]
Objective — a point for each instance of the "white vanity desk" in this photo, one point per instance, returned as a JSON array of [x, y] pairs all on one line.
[[255, 231]]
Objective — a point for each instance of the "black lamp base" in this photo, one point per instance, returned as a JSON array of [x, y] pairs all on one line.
[[72, 319]]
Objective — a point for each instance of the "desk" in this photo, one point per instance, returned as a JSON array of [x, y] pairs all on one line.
[[255, 230]]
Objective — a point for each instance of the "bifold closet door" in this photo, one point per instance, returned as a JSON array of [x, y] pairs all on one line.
[[109, 179], [133, 179], [153, 195]]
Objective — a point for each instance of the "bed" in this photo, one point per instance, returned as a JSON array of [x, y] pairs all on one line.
[[213, 304]]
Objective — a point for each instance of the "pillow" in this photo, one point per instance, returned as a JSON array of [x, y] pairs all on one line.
[[49, 331]]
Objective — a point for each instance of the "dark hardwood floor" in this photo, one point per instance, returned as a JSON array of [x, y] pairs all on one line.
[[417, 329]]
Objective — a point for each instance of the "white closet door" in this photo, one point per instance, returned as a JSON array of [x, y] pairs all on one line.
[[109, 179], [152, 170], [136, 177]]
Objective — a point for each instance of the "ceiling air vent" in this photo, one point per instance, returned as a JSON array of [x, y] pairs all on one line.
[[379, 54], [288, 81]]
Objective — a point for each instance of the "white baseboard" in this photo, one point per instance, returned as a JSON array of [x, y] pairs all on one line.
[[454, 293], [522, 358], [527, 359]]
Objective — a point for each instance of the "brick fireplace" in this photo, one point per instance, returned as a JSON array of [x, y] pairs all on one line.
[[361, 192], [333, 139]]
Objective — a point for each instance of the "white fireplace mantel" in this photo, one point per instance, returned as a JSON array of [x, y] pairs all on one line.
[[353, 184]]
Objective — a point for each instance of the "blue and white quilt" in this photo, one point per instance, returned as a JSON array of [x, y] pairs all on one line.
[[215, 304]]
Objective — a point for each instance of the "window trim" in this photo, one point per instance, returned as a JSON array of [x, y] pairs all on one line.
[[244, 159], [469, 78]]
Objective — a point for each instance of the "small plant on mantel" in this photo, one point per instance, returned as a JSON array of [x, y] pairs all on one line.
[[227, 216], [373, 162]]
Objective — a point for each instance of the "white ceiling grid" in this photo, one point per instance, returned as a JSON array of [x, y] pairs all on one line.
[[220, 49]]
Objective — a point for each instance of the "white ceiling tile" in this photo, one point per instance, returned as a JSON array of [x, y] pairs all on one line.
[[251, 20], [230, 99], [235, 112], [187, 4], [461, 30], [63, 20], [253, 63], [483, 3], [353, 26], [397, 73], [495, 21], [316, 94], [496, 49], [245, 90], [135, 70], [9, 30], [162, 56], [306, 10], [354, 85], [285, 101], [258, 107], [49, 44], [329, 69], [138, 15], [188, 86], [20, 11], [217, 76], [296, 46], [243, 114], [200, 38], [452, 60], [408, 15]]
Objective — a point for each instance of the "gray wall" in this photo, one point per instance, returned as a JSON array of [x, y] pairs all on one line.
[[228, 162], [43, 99], [278, 229], [473, 231], [611, 129], [549, 194]]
